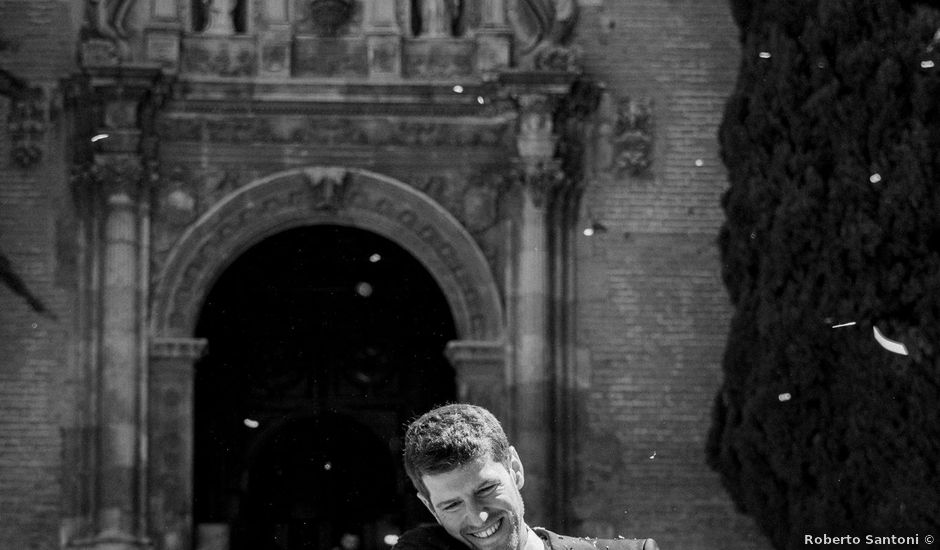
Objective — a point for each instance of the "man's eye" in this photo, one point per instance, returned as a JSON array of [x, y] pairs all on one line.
[[450, 507], [488, 489]]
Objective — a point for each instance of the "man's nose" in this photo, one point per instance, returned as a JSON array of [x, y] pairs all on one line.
[[478, 515]]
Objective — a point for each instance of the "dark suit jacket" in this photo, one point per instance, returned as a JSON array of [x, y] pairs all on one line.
[[434, 537]]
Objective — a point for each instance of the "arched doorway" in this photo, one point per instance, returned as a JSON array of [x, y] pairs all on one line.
[[323, 341]]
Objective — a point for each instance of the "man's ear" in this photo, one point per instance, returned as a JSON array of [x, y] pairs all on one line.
[[427, 504], [515, 468]]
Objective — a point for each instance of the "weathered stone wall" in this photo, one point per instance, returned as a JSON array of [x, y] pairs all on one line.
[[36, 236], [652, 311]]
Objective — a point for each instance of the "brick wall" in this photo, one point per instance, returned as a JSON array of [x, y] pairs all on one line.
[[34, 362], [653, 314]]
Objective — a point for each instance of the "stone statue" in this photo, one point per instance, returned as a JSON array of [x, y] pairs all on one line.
[[439, 16], [106, 20], [219, 17], [539, 22]]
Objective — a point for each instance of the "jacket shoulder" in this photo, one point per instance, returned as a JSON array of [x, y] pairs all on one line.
[[564, 542]]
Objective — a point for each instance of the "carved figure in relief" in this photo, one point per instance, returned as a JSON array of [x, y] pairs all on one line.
[[219, 15]]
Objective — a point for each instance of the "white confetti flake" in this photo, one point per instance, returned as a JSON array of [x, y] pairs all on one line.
[[875, 178], [849, 324], [652, 456], [375, 258], [926, 64], [699, 162], [588, 231], [764, 55], [890, 345], [784, 397], [251, 423], [458, 89], [390, 540], [480, 100], [99, 137]]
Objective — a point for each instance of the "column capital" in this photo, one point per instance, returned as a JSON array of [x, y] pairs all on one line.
[[115, 176], [538, 177]]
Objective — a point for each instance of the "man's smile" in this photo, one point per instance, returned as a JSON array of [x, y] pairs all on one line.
[[489, 531]]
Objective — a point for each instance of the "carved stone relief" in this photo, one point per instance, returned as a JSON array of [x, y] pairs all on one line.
[[27, 121], [220, 56]]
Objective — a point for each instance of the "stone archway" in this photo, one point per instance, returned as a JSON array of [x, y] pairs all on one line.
[[306, 196], [339, 196]]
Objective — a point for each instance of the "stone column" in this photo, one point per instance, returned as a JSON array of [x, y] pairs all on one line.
[[384, 39], [120, 369], [171, 435], [118, 180], [532, 381]]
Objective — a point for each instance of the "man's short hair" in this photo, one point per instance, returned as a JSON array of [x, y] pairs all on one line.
[[449, 437]]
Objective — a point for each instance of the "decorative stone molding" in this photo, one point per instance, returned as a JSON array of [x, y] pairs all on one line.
[[327, 131], [177, 348], [542, 30]]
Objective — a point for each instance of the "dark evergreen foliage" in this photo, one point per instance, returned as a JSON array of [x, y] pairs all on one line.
[[832, 143]]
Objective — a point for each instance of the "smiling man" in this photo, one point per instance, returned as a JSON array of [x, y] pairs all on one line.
[[469, 477]]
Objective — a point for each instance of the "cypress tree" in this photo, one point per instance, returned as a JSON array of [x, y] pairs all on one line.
[[831, 139]]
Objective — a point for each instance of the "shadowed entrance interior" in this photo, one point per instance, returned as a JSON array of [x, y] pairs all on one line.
[[323, 342]]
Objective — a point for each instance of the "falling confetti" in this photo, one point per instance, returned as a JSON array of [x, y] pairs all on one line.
[[875, 178], [849, 324], [480, 100], [390, 540], [458, 89], [588, 231], [364, 289], [328, 466], [652, 456], [926, 64], [251, 423], [890, 345], [375, 258], [784, 397], [99, 137], [764, 55], [699, 162]]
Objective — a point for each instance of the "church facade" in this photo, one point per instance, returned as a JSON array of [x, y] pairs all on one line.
[[257, 236]]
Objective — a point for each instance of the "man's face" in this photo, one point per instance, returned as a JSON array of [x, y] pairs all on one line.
[[479, 503]]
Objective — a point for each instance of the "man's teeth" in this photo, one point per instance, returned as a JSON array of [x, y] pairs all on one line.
[[488, 532]]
